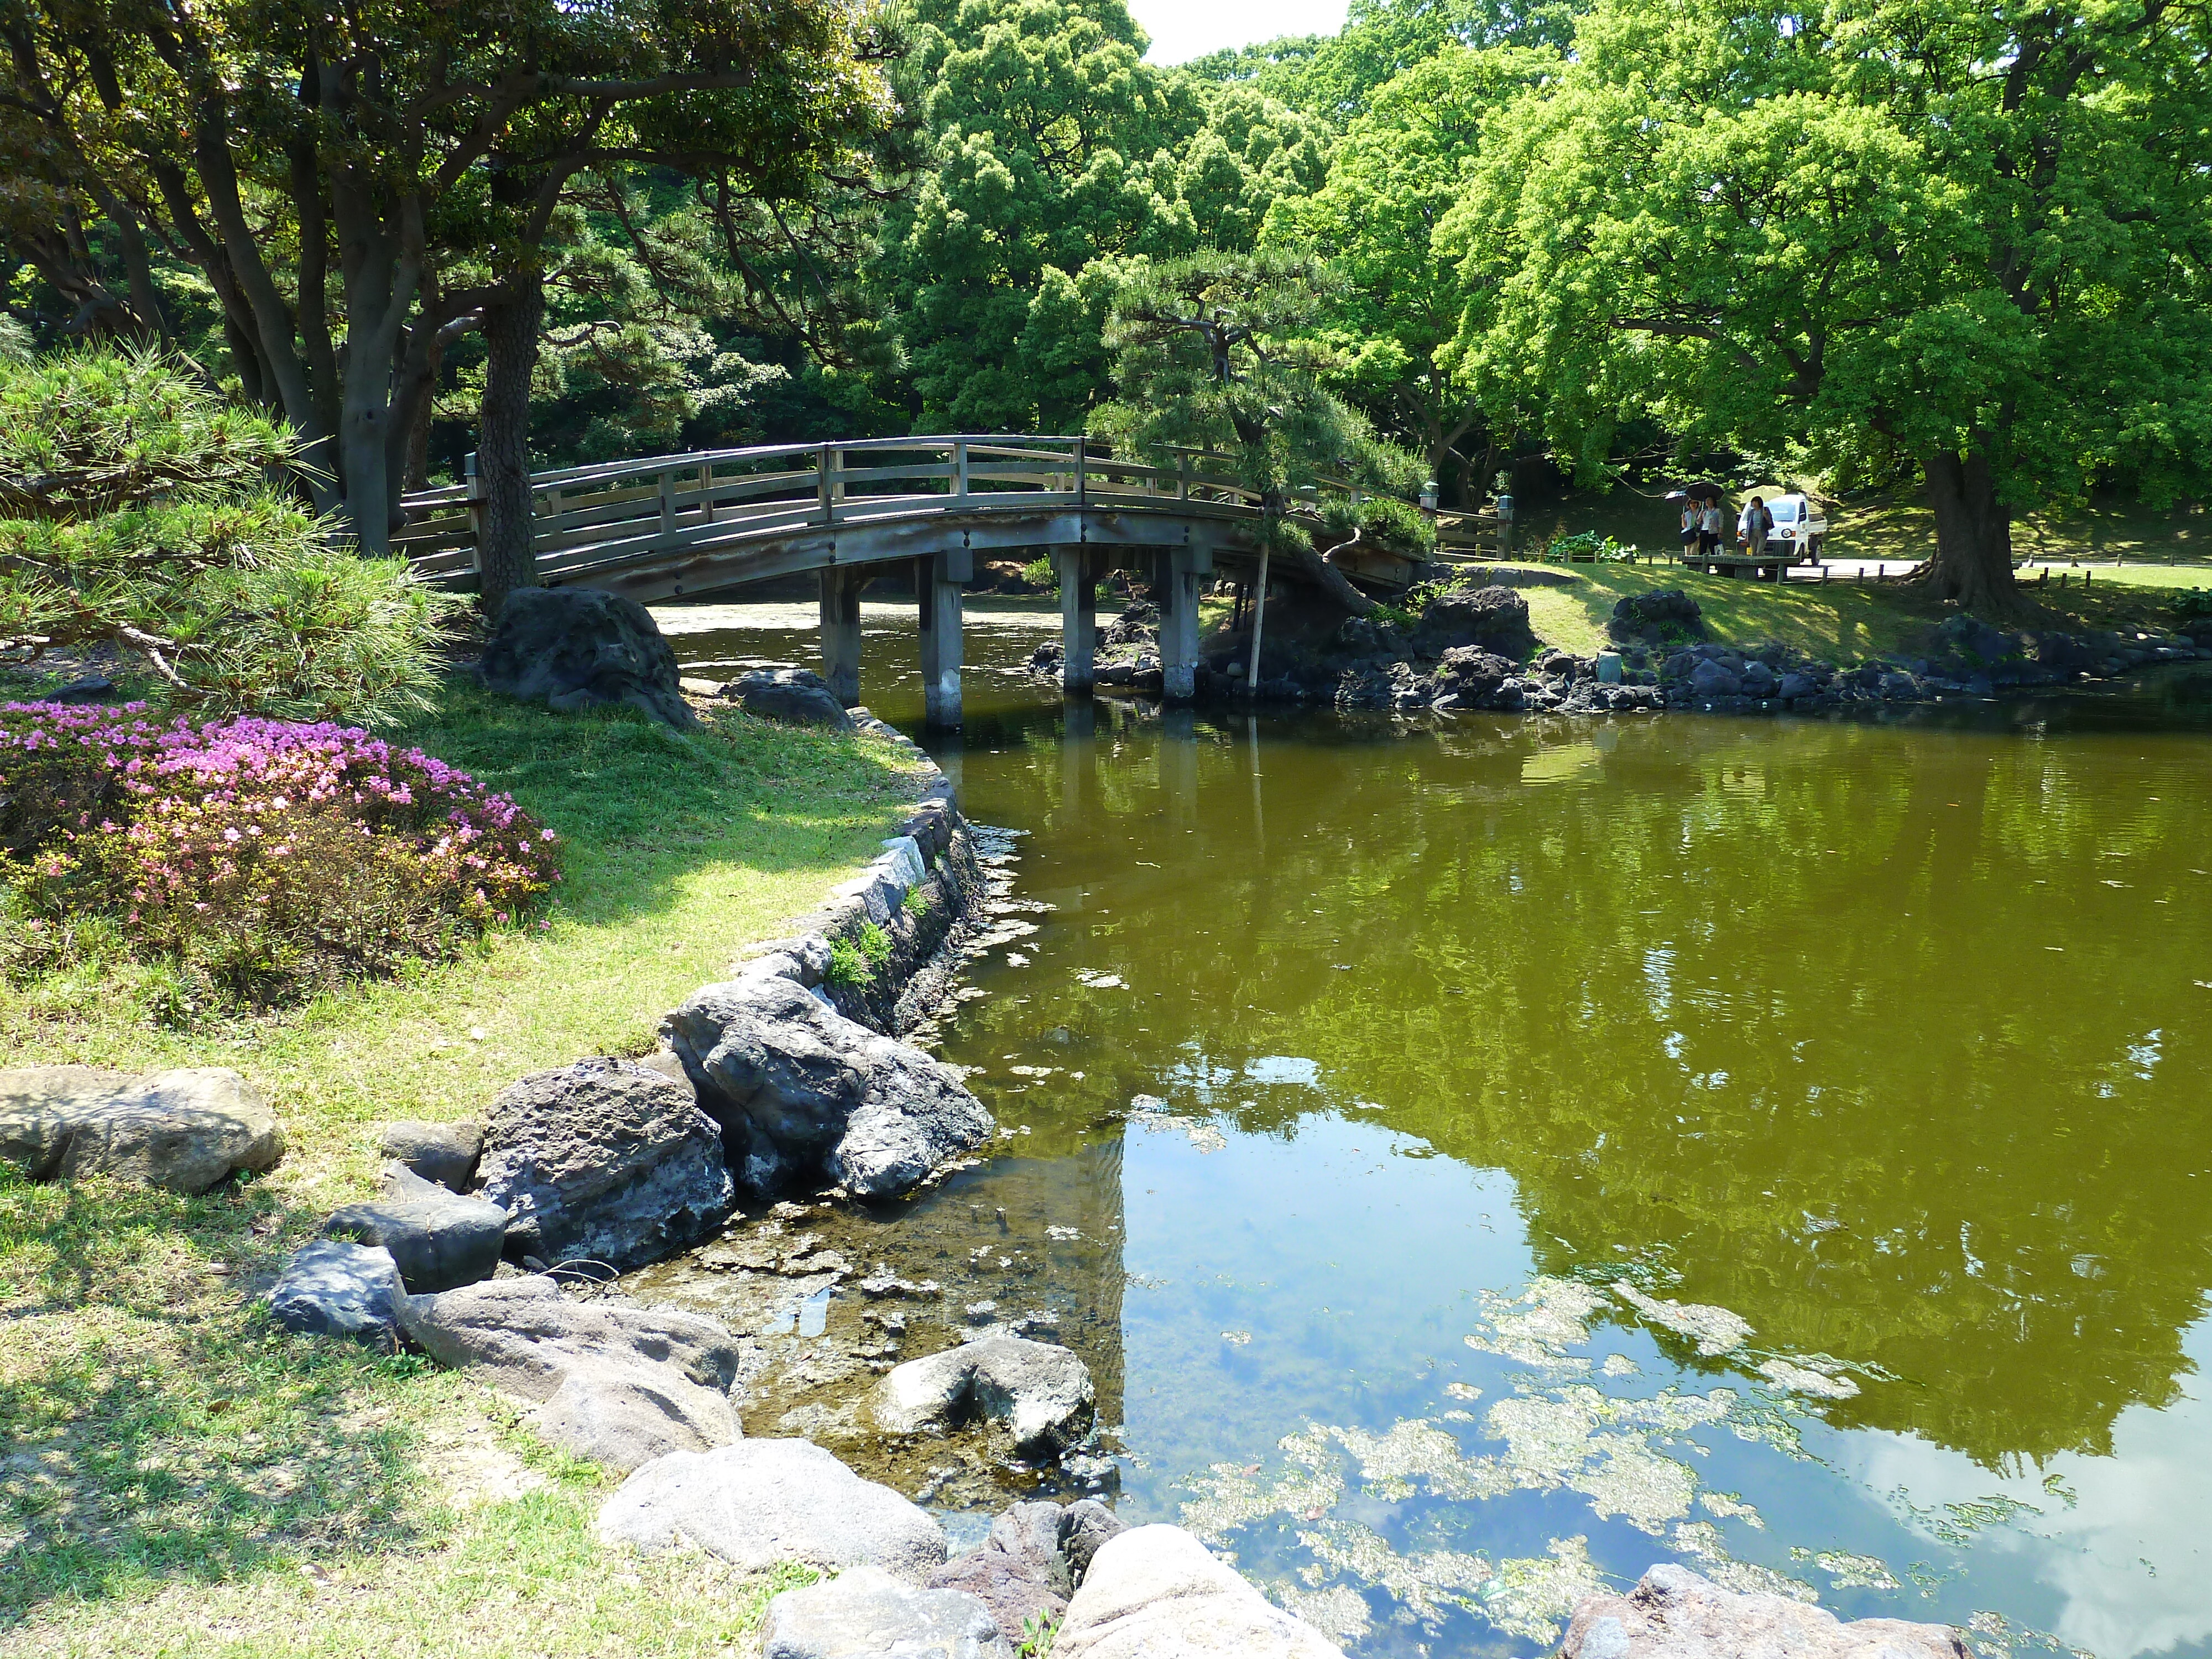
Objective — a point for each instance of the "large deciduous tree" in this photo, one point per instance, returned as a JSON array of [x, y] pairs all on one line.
[[353, 184], [1970, 237], [1398, 171], [1058, 156]]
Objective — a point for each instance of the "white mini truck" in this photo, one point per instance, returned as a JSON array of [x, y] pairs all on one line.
[[1799, 527]]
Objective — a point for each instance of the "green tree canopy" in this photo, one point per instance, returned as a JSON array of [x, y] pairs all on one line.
[[1059, 156], [1969, 239], [1395, 323], [1214, 352]]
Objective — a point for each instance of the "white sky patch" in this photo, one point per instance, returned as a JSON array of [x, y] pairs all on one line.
[[1184, 31]]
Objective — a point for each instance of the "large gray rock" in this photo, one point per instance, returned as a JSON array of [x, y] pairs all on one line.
[[765, 1501], [603, 1161], [618, 1383], [1085, 1526], [866, 1614], [575, 647], [185, 1130], [1043, 1394], [1154, 1593], [1673, 1614], [332, 1288], [440, 1239], [1668, 612], [1494, 616], [1711, 679], [1024, 1572], [806, 1092], [444, 1153], [793, 696]]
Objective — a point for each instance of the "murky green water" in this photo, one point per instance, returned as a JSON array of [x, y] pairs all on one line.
[[1781, 1146]]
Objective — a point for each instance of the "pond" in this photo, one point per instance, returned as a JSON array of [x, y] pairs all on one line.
[[1482, 1159]]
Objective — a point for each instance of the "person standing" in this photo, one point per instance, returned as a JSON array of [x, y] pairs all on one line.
[[1709, 530], [1757, 526], [1689, 527]]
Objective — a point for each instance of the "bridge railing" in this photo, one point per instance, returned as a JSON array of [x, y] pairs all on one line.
[[590, 515]]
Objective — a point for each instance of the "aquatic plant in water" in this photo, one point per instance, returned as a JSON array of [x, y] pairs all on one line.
[[1556, 1432]]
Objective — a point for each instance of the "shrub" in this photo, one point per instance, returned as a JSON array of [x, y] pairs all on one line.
[[276, 859], [1040, 572], [1589, 544], [136, 514]]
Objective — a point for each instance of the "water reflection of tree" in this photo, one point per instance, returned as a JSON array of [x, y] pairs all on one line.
[[1836, 1082]]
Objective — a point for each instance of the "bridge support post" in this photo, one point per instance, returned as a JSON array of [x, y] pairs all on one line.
[[937, 579], [1184, 579], [840, 631], [1079, 616]]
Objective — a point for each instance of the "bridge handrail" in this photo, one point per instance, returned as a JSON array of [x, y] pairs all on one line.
[[680, 500]]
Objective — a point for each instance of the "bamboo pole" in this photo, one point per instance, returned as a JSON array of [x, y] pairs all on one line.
[[1259, 621]]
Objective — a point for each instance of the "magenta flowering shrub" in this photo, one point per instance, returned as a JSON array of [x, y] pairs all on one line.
[[277, 857]]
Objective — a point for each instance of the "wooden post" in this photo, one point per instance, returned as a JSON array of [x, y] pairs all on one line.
[[706, 492], [1259, 623], [476, 512], [667, 500], [840, 631], [937, 579], [960, 468], [1078, 618], [1082, 471], [821, 478]]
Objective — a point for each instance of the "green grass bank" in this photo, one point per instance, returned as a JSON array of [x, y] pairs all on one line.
[[179, 1477]]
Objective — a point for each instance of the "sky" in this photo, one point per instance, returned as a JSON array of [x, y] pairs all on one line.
[[1182, 29]]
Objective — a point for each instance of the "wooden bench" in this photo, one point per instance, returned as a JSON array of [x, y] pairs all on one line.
[[1767, 566]]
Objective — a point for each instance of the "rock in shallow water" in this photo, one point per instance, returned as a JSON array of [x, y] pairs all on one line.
[[1154, 1593], [806, 1091], [765, 1501], [333, 1288], [603, 1161], [866, 1614], [185, 1130], [620, 1384], [1043, 1394], [440, 1239], [1673, 1614]]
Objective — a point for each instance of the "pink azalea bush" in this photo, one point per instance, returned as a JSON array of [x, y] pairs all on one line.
[[277, 857]]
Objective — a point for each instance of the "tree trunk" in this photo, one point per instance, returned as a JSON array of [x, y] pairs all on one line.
[[503, 550], [1974, 535]]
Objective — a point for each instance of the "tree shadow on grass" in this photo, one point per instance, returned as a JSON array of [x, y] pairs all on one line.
[[157, 1426]]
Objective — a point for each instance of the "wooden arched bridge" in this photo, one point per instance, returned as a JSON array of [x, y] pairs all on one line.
[[708, 522]]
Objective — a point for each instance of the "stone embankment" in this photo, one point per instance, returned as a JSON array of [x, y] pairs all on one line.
[[1470, 647]]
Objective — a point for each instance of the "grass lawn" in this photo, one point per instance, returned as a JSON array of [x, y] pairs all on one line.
[[1839, 621], [177, 1476], [1902, 531]]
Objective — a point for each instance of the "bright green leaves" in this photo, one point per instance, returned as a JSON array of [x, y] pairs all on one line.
[[1060, 157]]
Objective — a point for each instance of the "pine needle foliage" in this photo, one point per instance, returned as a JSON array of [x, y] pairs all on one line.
[[142, 514], [1215, 352]]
